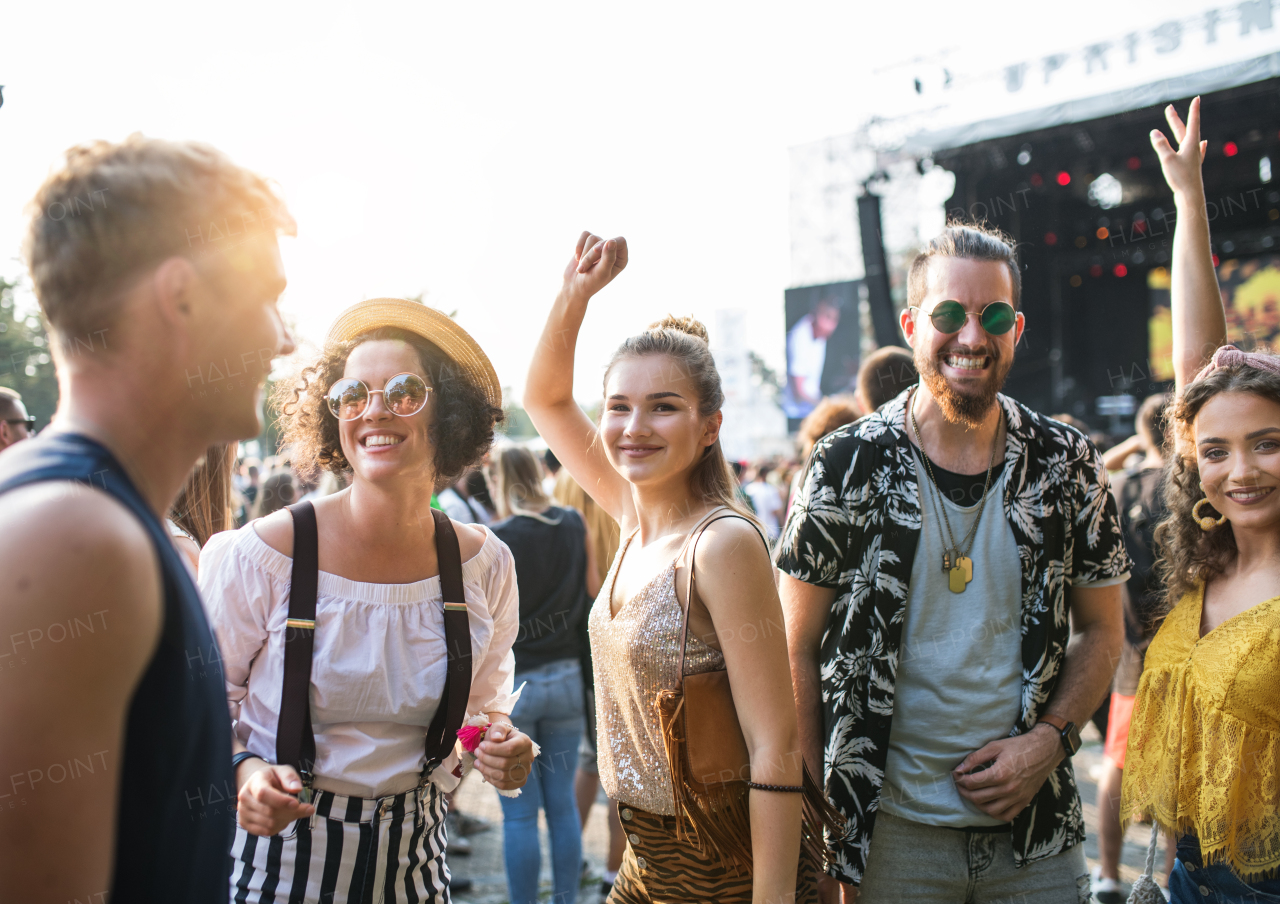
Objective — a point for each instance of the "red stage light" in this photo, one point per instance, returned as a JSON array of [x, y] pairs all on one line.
[[1230, 149], [1120, 270], [1135, 163], [1095, 270], [1215, 260], [1140, 227], [1037, 180], [1064, 178], [1050, 238]]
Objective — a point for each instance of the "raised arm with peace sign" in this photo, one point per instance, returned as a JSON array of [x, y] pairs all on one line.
[[1199, 322]]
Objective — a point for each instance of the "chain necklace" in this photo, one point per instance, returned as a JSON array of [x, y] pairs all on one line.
[[955, 562]]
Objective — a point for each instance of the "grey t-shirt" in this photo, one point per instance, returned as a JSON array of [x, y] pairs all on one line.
[[959, 676]]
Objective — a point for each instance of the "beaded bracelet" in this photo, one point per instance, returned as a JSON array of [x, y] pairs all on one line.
[[789, 789]]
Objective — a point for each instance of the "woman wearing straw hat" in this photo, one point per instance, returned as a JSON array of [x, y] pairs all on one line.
[[355, 627]]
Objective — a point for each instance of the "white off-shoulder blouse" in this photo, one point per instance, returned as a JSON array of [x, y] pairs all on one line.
[[378, 665]]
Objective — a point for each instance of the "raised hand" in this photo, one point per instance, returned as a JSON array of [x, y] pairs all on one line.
[[1182, 167], [595, 263]]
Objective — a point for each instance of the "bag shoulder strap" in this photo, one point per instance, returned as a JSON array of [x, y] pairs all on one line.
[[691, 587], [295, 739], [452, 710]]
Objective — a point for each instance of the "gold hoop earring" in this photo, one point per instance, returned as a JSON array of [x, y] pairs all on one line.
[[1206, 523]]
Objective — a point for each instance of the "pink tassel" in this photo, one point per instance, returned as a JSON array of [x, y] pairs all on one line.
[[471, 736]]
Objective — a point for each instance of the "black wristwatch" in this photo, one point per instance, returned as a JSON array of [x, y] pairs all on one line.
[[1066, 730]]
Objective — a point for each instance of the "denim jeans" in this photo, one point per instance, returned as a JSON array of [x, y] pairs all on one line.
[[1217, 884], [550, 711]]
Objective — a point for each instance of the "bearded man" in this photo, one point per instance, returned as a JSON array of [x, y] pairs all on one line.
[[951, 582]]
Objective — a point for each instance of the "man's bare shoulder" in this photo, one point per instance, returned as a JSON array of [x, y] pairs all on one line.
[[67, 524], [68, 551]]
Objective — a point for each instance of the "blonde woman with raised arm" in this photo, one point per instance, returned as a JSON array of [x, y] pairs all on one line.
[[655, 464]]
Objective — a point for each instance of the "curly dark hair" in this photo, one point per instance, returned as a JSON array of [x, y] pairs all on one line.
[[1186, 554], [461, 431]]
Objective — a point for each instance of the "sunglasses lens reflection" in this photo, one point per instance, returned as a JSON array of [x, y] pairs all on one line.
[[998, 318], [948, 317], [348, 399], [406, 394]]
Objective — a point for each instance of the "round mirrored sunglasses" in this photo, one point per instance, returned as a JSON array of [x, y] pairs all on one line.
[[404, 395], [996, 318]]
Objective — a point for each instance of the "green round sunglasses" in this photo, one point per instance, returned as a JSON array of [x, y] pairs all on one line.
[[996, 318]]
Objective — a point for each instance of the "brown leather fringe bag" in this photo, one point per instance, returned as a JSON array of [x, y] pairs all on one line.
[[710, 765]]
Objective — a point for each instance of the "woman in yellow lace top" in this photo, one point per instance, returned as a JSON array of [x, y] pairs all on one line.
[[1204, 745]]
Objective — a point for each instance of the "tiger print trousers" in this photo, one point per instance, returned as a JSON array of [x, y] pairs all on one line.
[[659, 869]]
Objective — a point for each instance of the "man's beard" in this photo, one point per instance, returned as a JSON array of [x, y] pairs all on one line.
[[961, 408]]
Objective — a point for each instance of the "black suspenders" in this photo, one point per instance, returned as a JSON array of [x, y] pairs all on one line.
[[295, 739]]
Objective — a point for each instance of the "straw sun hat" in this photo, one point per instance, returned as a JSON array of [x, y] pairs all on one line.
[[428, 323]]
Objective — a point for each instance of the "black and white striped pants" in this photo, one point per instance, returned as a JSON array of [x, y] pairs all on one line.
[[352, 851]]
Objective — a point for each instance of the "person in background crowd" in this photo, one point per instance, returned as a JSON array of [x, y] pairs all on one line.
[[250, 486], [883, 376], [738, 469], [557, 575], [81, 522], [204, 505], [1103, 712], [832, 413], [1141, 506], [605, 539], [1203, 759], [1102, 441], [766, 500], [280, 489], [478, 492], [1132, 452], [456, 502], [655, 464], [949, 513], [15, 423], [1071, 421], [552, 464], [387, 403], [328, 484]]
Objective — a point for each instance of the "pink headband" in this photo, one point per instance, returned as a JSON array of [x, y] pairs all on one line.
[[1230, 356]]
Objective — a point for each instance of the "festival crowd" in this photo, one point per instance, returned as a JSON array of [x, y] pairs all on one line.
[[858, 674]]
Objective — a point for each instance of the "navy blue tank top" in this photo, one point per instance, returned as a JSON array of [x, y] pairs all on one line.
[[177, 792]]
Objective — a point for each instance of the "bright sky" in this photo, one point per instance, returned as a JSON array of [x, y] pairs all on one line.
[[458, 149]]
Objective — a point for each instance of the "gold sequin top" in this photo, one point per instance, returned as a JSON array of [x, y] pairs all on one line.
[[636, 655]]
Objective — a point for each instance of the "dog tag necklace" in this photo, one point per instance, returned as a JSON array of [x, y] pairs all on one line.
[[955, 563]]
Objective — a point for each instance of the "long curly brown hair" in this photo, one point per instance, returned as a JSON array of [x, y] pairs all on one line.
[[1187, 555], [461, 430]]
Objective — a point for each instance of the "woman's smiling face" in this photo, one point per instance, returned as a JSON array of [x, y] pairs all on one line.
[[379, 444], [650, 425], [1238, 456]]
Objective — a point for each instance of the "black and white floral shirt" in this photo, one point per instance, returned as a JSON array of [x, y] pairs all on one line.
[[855, 527]]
